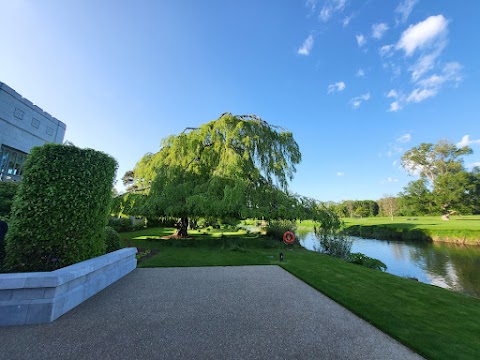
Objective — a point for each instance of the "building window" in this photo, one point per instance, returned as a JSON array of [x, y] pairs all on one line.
[[18, 113], [35, 123], [49, 131], [11, 162]]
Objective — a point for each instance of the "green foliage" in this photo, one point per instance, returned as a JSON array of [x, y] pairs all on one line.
[[389, 206], [161, 221], [445, 186], [232, 167], [3, 231], [7, 192], [276, 228], [112, 239], [416, 199], [431, 160], [334, 244], [131, 204], [60, 210], [270, 243], [356, 208], [120, 224], [364, 260], [331, 241]]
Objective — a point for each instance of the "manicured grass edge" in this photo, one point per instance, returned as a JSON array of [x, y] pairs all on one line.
[[421, 336]]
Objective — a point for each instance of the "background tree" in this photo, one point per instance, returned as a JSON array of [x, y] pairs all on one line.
[[389, 205], [416, 199], [445, 184], [235, 166], [474, 194]]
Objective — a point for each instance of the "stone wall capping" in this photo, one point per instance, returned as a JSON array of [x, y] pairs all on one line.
[[41, 297]]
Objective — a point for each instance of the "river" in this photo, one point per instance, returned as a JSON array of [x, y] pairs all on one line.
[[455, 267]]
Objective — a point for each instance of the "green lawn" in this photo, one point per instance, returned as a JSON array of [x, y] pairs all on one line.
[[471, 222], [437, 323]]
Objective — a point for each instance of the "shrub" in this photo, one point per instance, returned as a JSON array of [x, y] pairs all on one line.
[[3, 231], [112, 239], [364, 260], [277, 228], [270, 243], [120, 224], [7, 192], [334, 244], [60, 210], [415, 235]]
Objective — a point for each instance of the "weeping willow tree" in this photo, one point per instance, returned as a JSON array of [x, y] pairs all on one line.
[[232, 167]]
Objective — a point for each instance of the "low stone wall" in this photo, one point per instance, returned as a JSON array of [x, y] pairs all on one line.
[[35, 298]]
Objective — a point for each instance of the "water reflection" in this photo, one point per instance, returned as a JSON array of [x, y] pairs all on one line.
[[450, 266]]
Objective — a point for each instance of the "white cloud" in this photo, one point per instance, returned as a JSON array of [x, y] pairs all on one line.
[[357, 101], [331, 7], [378, 30], [432, 81], [426, 62], [386, 50], [428, 87], [404, 9], [361, 40], [346, 20], [467, 142], [311, 5], [418, 95], [392, 94], [472, 165], [395, 106], [451, 72], [340, 173], [325, 13], [360, 73], [426, 39], [307, 46], [337, 87], [405, 138], [422, 34], [389, 180]]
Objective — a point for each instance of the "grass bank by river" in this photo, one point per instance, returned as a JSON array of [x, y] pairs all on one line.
[[463, 230], [459, 229], [437, 323]]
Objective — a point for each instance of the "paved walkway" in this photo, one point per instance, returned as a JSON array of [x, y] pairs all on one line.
[[248, 312]]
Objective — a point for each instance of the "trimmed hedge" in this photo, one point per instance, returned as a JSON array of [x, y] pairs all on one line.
[[7, 192], [60, 210]]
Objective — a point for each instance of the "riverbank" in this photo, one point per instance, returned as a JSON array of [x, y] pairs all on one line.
[[437, 323], [460, 230]]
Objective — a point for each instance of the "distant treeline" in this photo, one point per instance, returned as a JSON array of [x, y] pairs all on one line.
[[406, 204]]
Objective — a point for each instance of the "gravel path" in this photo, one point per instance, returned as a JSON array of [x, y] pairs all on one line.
[[247, 312]]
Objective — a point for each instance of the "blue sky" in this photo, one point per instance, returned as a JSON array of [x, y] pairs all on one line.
[[357, 82]]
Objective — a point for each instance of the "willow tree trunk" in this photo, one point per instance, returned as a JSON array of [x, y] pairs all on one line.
[[182, 227]]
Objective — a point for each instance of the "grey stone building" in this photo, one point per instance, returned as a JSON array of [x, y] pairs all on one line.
[[23, 125]]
